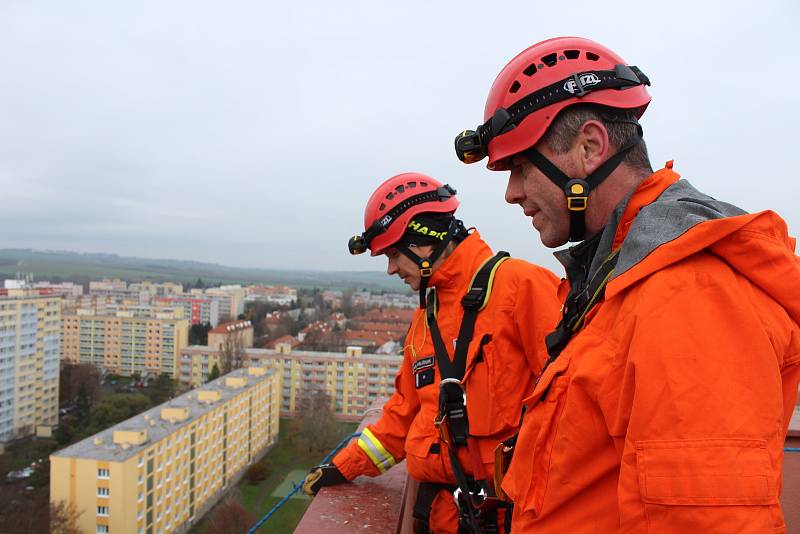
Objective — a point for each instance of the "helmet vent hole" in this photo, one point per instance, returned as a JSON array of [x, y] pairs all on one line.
[[550, 59], [382, 206], [412, 185], [400, 188], [531, 70], [390, 196], [572, 54], [423, 184], [515, 87], [592, 57]]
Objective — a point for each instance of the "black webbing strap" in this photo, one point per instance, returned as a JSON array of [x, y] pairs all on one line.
[[426, 493], [578, 202], [455, 230], [579, 302], [379, 226], [452, 405], [473, 301]]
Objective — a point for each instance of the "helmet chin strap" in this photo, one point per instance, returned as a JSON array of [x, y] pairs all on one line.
[[425, 265], [577, 189]]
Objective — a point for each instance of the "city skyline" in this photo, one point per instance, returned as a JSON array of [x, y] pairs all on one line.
[[252, 136]]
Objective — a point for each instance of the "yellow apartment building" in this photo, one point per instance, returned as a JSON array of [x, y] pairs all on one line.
[[29, 364], [142, 339], [161, 470], [230, 299], [351, 379]]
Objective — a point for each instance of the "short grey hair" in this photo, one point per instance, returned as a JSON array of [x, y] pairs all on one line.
[[622, 127]]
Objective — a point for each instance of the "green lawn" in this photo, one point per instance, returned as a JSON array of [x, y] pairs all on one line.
[[285, 463]]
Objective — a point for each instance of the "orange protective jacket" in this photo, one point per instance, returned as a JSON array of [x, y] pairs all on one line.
[[505, 355], [668, 410]]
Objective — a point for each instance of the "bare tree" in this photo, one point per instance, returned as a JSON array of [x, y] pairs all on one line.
[[76, 376], [229, 517], [26, 512], [315, 426], [232, 352], [64, 518]]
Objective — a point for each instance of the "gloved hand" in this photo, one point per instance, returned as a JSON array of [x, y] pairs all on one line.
[[322, 475]]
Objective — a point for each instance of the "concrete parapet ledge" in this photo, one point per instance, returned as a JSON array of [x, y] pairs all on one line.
[[376, 505]]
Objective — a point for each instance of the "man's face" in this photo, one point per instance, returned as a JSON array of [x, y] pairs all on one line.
[[540, 198], [401, 265]]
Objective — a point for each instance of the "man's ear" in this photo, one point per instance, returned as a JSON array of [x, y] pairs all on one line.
[[593, 146]]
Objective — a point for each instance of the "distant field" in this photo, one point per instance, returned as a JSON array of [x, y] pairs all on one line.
[[287, 464], [70, 266]]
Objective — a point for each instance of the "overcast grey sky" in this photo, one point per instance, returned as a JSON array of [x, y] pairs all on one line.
[[251, 133]]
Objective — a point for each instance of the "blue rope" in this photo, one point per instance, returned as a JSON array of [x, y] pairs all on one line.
[[300, 484], [792, 449]]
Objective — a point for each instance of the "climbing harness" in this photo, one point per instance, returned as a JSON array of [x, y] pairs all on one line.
[[475, 497]]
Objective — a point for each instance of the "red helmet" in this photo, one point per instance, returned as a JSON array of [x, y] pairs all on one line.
[[541, 81], [394, 203]]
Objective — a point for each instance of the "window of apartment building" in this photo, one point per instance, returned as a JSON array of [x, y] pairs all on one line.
[[102, 473], [101, 529], [102, 511], [102, 492]]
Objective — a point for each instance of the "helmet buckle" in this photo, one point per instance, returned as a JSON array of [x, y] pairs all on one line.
[[579, 89], [425, 268], [577, 193]]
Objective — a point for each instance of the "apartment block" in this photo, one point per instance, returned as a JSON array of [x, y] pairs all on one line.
[[197, 309], [230, 300], [126, 340], [351, 379], [281, 295], [119, 291], [29, 364], [161, 470], [155, 289]]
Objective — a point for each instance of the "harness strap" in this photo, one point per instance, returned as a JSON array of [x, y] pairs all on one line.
[[577, 190], [578, 304], [455, 231], [426, 493], [452, 399]]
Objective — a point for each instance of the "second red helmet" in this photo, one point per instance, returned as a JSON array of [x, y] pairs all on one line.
[[394, 203]]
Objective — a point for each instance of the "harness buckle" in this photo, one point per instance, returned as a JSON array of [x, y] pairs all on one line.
[[577, 193], [425, 268], [473, 299], [502, 458], [576, 203], [440, 422], [579, 89]]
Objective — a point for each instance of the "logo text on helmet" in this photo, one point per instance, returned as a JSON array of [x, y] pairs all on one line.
[[587, 79], [386, 220], [424, 230]]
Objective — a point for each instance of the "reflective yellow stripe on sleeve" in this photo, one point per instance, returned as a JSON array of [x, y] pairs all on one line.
[[376, 452]]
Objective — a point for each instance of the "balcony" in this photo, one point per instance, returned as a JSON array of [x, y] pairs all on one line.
[[384, 504]]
